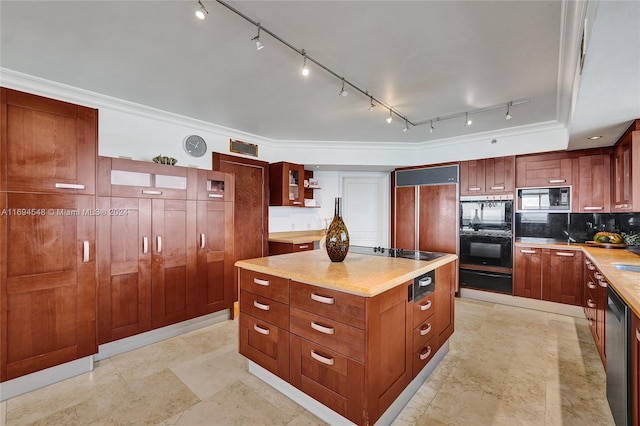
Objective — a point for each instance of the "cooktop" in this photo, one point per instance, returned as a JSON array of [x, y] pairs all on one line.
[[395, 252]]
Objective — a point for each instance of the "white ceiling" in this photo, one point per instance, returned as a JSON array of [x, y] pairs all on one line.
[[426, 59]]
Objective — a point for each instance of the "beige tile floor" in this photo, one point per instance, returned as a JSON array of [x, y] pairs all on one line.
[[506, 366]]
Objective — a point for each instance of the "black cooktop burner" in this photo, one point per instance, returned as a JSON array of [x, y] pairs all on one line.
[[393, 252]]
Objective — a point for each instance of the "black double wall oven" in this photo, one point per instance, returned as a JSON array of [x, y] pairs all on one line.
[[486, 258]]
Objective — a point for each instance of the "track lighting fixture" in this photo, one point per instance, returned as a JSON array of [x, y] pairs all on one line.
[[467, 120], [406, 126], [371, 106], [431, 128], [202, 12], [259, 44], [305, 70], [508, 116], [389, 118], [343, 92]]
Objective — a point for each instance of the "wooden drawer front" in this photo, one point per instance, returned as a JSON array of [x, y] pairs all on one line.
[[266, 309], [303, 246], [343, 307], [276, 288], [265, 344], [423, 333], [328, 377], [423, 309], [423, 355], [330, 333]]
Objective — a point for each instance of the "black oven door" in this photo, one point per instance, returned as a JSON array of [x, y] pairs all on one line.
[[486, 250]]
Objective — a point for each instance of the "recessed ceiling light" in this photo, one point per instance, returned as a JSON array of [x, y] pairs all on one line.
[[594, 138]]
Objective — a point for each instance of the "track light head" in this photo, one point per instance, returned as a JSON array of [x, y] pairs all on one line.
[[372, 105], [467, 120], [259, 44], [390, 117], [508, 116], [406, 126], [201, 12], [343, 92], [305, 70], [431, 128]]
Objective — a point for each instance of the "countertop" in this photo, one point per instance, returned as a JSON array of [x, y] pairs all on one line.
[[297, 237], [625, 283], [359, 274]]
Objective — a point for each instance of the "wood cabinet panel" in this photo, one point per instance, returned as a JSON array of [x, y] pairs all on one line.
[[562, 276], [500, 175], [625, 188], [276, 288], [438, 218], [527, 274], [405, 217], [445, 300], [286, 186], [47, 145], [592, 192], [337, 305], [265, 344], [266, 309], [553, 169], [277, 247], [472, 177], [423, 309]]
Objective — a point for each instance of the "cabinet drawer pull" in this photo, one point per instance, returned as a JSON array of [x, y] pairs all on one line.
[[85, 251], [322, 328], [216, 196], [425, 330], [322, 299], [591, 285], [590, 322], [145, 245], [69, 186], [261, 330], [557, 180], [593, 208], [424, 282], [475, 188], [425, 306], [497, 188], [591, 303], [590, 266], [598, 276], [151, 192], [297, 202], [304, 246], [320, 358], [621, 206], [261, 282], [526, 251], [203, 241], [637, 333], [159, 244], [425, 355], [565, 254], [603, 283], [260, 306]]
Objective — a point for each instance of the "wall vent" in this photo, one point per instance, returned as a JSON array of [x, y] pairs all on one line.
[[243, 147], [427, 176]]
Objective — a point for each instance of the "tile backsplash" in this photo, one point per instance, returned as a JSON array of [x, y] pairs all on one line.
[[580, 227]]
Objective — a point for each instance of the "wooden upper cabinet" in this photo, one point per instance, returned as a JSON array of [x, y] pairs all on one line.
[[472, 177], [625, 192], [47, 145], [591, 192], [554, 169], [286, 184]]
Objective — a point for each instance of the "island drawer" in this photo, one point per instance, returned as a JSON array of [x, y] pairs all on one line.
[[266, 309], [337, 305], [333, 334], [329, 377], [423, 333], [265, 344], [423, 309], [423, 355], [276, 288]]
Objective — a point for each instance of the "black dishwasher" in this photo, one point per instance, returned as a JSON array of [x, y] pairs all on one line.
[[618, 358]]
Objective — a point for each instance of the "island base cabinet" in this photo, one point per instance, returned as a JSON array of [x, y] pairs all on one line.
[[328, 377], [265, 344]]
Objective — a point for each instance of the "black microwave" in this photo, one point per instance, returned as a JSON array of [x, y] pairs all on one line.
[[549, 199]]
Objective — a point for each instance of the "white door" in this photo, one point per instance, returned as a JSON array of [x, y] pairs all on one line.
[[365, 208]]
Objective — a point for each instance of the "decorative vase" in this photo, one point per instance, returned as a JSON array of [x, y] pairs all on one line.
[[337, 238]]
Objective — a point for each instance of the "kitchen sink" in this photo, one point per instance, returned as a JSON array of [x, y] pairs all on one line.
[[624, 267]]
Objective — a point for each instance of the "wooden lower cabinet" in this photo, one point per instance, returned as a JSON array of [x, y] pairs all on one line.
[[595, 305], [353, 354], [527, 273], [635, 367], [277, 247]]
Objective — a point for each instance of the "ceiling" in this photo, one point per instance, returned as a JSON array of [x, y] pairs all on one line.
[[425, 59]]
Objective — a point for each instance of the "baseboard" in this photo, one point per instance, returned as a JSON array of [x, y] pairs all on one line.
[[523, 302]]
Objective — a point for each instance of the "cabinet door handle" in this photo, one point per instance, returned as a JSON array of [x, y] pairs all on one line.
[[475, 188], [424, 282], [320, 358], [145, 245], [216, 196], [425, 330], [304, 246], [424, 355], [591, 285], [593, 208], [69, 186], [322, 299], [591, 304], [526, 251], [603, 283], [322, 328], [621, 206], [261, 330], [497, 187], [261, 282], [85, 251], [159, 244], [203, 241], [260, 306], [638, 333], [151, 192], [565, 254], [425, 306], [297, 202], [557, 180], [598, 276]]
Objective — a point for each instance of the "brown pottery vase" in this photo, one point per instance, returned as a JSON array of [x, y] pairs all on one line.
[[337, 241]]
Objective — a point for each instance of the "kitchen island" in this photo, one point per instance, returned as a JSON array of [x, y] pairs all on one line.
[[349, 341]]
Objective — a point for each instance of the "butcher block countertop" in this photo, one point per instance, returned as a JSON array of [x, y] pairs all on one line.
[[625, 283], [359, 274], [296, 237]]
